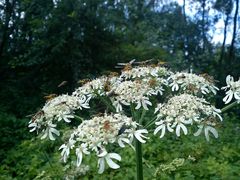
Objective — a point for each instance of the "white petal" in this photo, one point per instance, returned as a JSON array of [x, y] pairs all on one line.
[[175, 87], [178, 130], [112, 164], [115, 156], [79, 156], [138, 135], [121, 140], [169, 127], [219, 116], [212, 130], [66, 119], [101, 165], [228, 97], [104, 153], [183, 128], [236, 95], [158, 129], [206, 133], [198, 131], [138, 105], [45, 134], [163, 131], [54, 131], [144, 105], [51, 137]]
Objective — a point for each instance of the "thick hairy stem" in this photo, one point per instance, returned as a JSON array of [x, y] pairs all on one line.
[[229, 106]]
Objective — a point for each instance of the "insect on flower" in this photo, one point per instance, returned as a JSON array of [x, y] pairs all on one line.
[[106, 125], [83, 81], [37, 115], [207, 77], [192, 87], [152, 82], [107, 86], [50, 97], [126, 66], [182, 76], [122, 130]]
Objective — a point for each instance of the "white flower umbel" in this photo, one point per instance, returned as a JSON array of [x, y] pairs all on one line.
[[183, 111], [137, 92], [232, 88], [129, 92], [55, 110], [144, 71], [97, 87], [192, 83], [94, 136]]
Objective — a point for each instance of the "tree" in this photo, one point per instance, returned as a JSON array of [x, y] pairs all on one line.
[[231, 49]]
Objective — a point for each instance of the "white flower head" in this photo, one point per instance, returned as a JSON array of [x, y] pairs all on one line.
[[232, 90], [183, 111], [192, 83]]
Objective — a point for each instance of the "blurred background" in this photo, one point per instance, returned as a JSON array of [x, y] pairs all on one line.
[[47, 46]]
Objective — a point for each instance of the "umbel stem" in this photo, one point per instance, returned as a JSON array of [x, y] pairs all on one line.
[[138, 147], [229, 106]]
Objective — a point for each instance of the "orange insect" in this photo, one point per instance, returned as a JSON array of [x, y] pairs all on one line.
[[50, 97], [84, 81], [106, 125]]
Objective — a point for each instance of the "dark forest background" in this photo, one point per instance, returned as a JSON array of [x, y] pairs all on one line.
[[44, 43]]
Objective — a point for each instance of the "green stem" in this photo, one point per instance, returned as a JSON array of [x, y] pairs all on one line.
[[138, 147], [150, 123], [229, 106], [78, 118], [142, 116], [138, 150]]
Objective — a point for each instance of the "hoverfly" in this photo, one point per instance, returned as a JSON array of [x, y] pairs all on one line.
[[207, 77], [37, 115], [50, 97], [126, 66], [83, 81]]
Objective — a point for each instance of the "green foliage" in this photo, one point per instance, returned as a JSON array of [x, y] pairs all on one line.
[[13, 130], [186, 158]]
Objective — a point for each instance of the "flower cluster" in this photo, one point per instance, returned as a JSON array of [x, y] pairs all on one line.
[[93, 136], [144, 71], [55, 110], [192, 83], [185, 110], [232, 88], [97, 87], [132, 92], [136, 87]]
